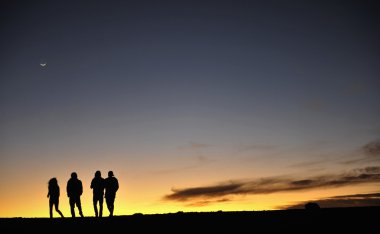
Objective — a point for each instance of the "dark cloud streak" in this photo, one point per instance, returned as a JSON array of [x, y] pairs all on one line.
[[371, 199], [276, 184]]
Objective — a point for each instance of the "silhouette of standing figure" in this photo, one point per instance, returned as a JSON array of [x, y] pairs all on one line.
[[53, 195], [74, 191], [111, 186], [97, 185]]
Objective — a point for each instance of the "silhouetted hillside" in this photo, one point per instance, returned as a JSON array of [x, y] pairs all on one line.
[[358, 219]]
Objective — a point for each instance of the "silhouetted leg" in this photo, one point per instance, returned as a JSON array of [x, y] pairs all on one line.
[[51, 208], [56, 209], [95, 207], [101, 207], [108, 202], [113, 202], [72, 211], [72, 204], [79, 207], [60, 213], [111, 210]]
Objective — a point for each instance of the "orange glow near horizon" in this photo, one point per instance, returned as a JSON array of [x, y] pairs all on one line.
[[146, 179], [142, 195], [38, 207]]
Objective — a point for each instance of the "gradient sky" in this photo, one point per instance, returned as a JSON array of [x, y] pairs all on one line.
[[195, 105]]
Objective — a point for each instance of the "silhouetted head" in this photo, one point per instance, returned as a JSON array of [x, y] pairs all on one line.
[[53, 181], [98, 174], [110, 173], [74, 175]]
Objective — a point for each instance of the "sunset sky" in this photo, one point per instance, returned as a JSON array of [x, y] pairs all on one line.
[[194, 105]]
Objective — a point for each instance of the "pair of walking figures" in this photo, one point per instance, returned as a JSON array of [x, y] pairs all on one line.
[[104, 187]]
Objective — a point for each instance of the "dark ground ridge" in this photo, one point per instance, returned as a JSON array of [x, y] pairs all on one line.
[[358, 219]]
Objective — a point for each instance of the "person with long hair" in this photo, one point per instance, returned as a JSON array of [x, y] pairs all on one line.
[[53, 195]]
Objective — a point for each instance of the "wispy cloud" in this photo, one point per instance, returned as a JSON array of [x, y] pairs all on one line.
[[200, 203], [258, 147], [372, 149], [194, 146], [203, 159], [371, 199], [355, 161], [308, 164], [274, 185], [199, 161], [368, 153], [175, 170]]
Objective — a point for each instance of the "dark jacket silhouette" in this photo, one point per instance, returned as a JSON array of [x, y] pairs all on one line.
[[74, 191], [111, 187], [53, 195], [97, 186]]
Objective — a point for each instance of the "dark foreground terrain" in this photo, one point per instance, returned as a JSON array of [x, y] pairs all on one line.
[[360, 220]]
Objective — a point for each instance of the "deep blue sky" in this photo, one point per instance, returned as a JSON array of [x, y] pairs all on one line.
[[150, 78]]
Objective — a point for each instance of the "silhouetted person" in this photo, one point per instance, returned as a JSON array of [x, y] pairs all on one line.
[[74, 191], [111, 186], [53, 195], [97, 185]]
